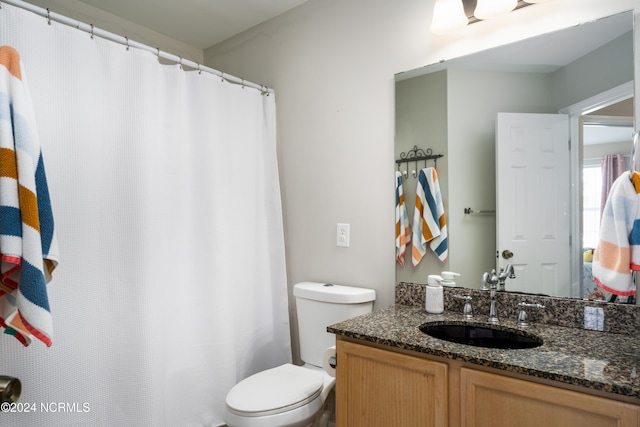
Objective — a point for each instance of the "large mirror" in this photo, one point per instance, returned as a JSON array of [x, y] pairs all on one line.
[[584, 73]]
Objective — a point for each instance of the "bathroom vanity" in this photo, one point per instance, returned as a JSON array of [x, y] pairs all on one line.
[[391, 373]]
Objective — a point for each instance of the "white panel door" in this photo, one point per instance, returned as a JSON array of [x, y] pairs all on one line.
[[532, 201]]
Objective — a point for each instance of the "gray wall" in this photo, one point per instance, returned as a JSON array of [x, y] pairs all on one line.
[[604, 68], [475, 98], [332, 64], [421, 120]]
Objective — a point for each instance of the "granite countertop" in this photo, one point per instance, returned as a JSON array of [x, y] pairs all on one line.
[[601, 361]]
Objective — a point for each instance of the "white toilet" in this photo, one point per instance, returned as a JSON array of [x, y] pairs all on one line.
[[290, 395]]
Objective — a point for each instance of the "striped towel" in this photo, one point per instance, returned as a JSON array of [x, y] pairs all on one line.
[[618, 251], [429, 223], [28, 248], [403, 231]]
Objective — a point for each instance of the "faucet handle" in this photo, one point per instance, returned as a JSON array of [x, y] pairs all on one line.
[[467, 312], [523, 318], [508, 271]]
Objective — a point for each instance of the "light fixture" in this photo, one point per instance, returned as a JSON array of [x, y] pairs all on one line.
[[486, 9], [448, 15], [451, 15]]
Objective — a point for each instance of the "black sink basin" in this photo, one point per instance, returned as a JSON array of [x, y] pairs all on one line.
[[481, 336]]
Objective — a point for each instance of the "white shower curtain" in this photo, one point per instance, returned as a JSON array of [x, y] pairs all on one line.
[[164, 186]]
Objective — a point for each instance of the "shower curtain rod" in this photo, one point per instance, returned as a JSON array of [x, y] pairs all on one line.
[[125, 41]]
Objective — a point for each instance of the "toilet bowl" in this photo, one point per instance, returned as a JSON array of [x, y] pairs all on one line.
[[285, 396], [291, 395]]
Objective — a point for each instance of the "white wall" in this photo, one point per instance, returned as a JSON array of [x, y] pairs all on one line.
[[332, 64]]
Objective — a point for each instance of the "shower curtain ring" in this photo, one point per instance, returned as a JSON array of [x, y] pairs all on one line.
[[48, 16], [199, 70], [91, 31], [127, 41], [222, 76], [181, 63]]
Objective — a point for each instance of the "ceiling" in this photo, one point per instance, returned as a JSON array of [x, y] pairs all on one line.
[[198, 23]]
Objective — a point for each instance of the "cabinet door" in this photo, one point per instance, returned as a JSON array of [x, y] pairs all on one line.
[[497, 401], [375, 387]]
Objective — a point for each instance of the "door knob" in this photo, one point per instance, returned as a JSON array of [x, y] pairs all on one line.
[[506, 254]]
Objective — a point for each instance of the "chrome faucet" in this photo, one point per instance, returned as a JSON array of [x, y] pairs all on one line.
[[483, 282], [505, 273], [491, 279]]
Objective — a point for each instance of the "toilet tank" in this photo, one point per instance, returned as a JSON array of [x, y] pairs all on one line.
[[319, 305]]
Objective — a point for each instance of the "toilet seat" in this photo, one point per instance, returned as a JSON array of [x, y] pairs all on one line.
[[274, 391]]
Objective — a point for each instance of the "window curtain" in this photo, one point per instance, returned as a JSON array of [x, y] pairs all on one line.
[[171, 286], [612, 167]]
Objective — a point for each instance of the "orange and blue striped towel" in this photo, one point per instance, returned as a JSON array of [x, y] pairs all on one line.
[[403, 231], [618, 250], [28, 248], [429, 222]]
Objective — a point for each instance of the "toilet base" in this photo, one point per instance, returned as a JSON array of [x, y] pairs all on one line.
[[314, 414], [327, 415]]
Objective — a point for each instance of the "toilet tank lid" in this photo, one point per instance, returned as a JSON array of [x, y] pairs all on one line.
[[329, 292]]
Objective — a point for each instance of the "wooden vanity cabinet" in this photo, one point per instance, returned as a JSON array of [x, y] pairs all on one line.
[[489, 399], [376, 387], [379, 387]]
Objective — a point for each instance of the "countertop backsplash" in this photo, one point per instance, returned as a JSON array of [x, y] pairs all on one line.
[[566, 312]]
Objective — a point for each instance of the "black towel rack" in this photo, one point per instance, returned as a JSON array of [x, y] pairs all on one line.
[[416, 155]]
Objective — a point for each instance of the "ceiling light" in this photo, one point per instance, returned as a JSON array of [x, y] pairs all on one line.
[[486, 9], [448, 15], [451, 15]]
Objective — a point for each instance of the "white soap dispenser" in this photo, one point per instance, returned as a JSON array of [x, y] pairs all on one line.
[[434, 302], [449, 278]]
